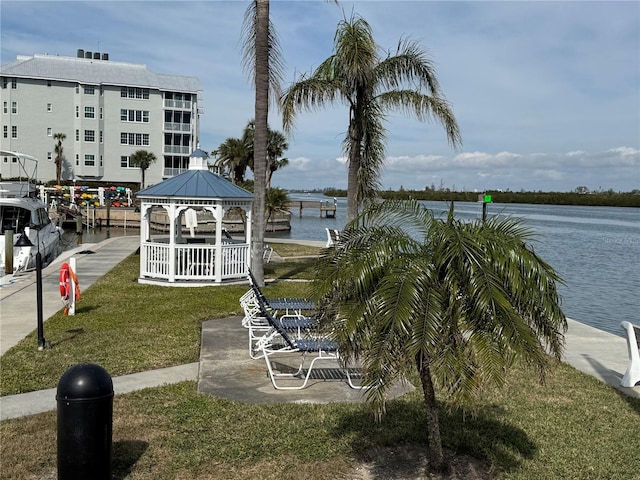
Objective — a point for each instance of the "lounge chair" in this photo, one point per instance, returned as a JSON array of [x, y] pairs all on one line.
[[333, 237], [279, 342], [288, 304], [258, 326], [632, 375]]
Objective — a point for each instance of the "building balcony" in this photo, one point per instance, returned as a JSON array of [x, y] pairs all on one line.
[[178, 104], [177, 127]]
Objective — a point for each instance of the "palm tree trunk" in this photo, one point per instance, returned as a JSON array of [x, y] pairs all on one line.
[[260, 138], [436, 457], [353, 197]]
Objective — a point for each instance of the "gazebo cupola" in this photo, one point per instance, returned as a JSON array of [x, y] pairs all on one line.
[[182, 240]]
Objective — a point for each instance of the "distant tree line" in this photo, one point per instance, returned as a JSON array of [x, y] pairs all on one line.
[[608, 198]]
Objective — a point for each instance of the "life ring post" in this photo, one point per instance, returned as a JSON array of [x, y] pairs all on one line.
[[72, 293]]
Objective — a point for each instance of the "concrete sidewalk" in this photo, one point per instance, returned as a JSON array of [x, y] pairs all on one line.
[[18, 293], [590, 350]]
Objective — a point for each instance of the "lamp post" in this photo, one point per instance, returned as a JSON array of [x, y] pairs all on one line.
[[24, 241]]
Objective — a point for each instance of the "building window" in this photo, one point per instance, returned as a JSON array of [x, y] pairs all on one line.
[[49, 156], [89, 90], [89, 160], [89, 135], [132, 92], [14, 83], [5, 107], [48, 83], [124, 161], [4, 82], [77, 160], [139, 116], [49, 132], [101, 160], [77, 88], [100, 113], [101, 136], [89, 112], [77, 135], [14, 131], [77, 111], [14, 108], [5, 131], [134, 139], [49, 107]]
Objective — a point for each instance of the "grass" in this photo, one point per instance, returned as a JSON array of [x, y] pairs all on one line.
[[573, 427]]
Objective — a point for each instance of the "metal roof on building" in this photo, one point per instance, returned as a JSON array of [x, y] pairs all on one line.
[[196, 184], [96, 72]]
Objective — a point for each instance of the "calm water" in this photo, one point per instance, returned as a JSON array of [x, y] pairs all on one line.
[[596, 250]]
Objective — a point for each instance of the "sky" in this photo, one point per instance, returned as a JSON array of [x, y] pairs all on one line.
[[546, 93]]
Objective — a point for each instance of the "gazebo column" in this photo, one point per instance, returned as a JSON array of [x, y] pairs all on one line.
[[172, 242], [219, 214], [247, 237], [145, 219]]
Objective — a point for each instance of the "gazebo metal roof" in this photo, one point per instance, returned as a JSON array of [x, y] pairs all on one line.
[[196, 184]]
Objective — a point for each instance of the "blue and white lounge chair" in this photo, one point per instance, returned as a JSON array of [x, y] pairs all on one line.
[[278, 342]]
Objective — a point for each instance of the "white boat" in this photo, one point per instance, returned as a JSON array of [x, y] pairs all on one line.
[[25, 219]]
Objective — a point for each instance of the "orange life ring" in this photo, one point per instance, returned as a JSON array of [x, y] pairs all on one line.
[[67, 275], [65, 281]]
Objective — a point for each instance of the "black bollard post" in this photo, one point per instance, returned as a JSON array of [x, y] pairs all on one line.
[[85, 423]]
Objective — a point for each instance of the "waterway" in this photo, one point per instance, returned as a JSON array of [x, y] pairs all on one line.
[[596, 250]]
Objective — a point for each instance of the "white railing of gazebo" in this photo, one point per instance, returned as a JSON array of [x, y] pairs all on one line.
[[194, 261]]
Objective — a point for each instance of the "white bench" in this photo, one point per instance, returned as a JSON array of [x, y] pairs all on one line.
[[632, 375]]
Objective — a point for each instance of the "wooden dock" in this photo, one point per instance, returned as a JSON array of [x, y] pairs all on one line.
[[326, 208]]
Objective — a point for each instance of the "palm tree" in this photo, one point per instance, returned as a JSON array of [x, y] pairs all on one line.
[[143, 160], [233, 158], [276, 200], [276, 145], [58, 151], [263, 62], [370, 86], [457, 302]]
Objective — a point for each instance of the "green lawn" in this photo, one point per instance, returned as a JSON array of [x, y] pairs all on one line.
[[573, 427]]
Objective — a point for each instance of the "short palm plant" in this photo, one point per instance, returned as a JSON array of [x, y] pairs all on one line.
[[456, 301]]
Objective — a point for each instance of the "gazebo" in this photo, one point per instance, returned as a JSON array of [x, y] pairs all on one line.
[[180, 257]]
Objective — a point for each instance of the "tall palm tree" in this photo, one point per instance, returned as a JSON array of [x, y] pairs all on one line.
[[58, 151], [356, 75], [458, 302], [233, 157], [143, 160], [263, 62]]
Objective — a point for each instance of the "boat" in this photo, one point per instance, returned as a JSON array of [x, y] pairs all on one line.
[[25, 220]]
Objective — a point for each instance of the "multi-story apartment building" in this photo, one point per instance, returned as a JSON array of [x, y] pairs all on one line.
[[107, 110]]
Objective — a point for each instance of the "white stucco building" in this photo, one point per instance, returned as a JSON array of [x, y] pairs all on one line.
[[107, 110]]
